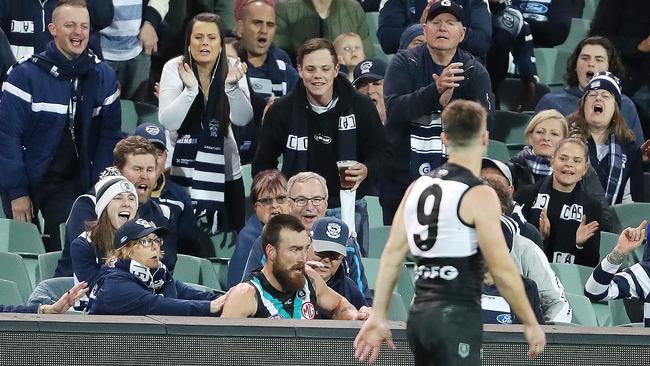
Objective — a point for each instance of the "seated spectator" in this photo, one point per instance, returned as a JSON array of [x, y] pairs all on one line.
[[301, 20], [286, 287], [495, 308], [526, 252], [349, 48], [591, 55], [613, 152], [307, 192], [412, 36], [202, 93], [6, 57], [26, 23], [269, 197], [329, 237], [62, 305], [136, 282], [117, 203], [397, 15], [511, 35], [607, 283], [543, 134], [135, 159], [321, 122], [269, 68], [550, 20], [566, 216], [369, 80], [128, 42]]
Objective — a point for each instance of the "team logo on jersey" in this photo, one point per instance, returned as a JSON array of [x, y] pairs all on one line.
[[333, 230], [424, 169], [504, 318], [430, 272], [322, 138], [308, 310], [463, 350]]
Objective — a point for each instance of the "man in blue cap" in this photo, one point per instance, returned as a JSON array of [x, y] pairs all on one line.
[[369, 80], [329, 237]]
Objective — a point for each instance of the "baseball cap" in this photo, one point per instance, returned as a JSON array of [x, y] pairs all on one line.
[[445, 6], [369, 69], [329, 234], [607, 81], [152, 132], [136, 229], [503, 168]]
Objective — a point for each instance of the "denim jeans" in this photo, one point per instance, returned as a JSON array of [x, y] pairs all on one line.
[[360, 221]]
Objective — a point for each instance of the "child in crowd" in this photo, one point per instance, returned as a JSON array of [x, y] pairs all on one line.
[[349, 48]]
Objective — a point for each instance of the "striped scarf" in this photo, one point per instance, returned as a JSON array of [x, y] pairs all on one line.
[[427, 150], [616, 161], [539, 165]]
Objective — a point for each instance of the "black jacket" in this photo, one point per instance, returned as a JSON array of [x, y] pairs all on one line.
[[322, 131], [563, 229]]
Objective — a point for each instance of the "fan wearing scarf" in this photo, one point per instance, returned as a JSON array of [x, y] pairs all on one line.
[[117, 203], [533, 164], [566, 216], [59, 122], [613, 151], [201, 93], [136, 282]]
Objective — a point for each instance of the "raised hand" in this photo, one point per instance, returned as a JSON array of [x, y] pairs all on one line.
[[67, 300], [187, 76], [236, 72], [631, 238], [585, 231]]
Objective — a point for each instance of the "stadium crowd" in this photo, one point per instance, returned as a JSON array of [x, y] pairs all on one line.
[[280, 120]]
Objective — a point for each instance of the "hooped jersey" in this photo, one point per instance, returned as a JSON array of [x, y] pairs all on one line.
[[445, 249], [274, 304]]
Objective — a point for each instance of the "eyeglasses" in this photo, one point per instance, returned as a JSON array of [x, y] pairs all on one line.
[[269, 201], [333, 256], [302, 201], [146, 242], [448, 23]]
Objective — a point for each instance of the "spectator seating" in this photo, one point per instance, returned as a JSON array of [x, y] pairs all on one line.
[[607, 243], [20, 237], [9, 293], [498, 150], [405, 286], [631, 214], [187, 269], [378, 238], [199, 287], [49, 291], [375, 214], [224, 243], [583, 313], [397, 311], [47, 263], [220, 267], [135, 113], [13, 268], [208, 276], [590, 9], [247, 178], [372, 18], [509, 128], [509, 92]]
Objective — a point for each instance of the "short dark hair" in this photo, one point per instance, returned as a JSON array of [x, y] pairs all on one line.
[[613, 59], [272, 229], [463, 121], [315, 44], [72, 3], [269, 180], [136, 145]]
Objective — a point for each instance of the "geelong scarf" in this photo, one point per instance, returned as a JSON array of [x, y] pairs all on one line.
[[295, 154], [539, 165], [427, 150], [616, 163], [198, 162], [154, 281]]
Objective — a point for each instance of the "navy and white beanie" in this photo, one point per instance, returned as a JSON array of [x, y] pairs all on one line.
[[607, 81], [110, 187]]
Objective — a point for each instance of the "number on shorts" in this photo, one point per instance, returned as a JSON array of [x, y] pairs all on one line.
[[428, 219]]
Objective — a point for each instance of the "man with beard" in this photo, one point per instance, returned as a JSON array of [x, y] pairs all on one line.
[[369, 80], [286, 287], [307, 193], [269, 67]]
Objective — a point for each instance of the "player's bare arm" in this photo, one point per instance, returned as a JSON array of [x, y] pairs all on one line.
[[375, 330], [495, 252], [241, 302]]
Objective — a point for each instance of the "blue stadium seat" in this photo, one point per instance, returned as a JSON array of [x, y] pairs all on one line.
[[20, 237], [13, 268]]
